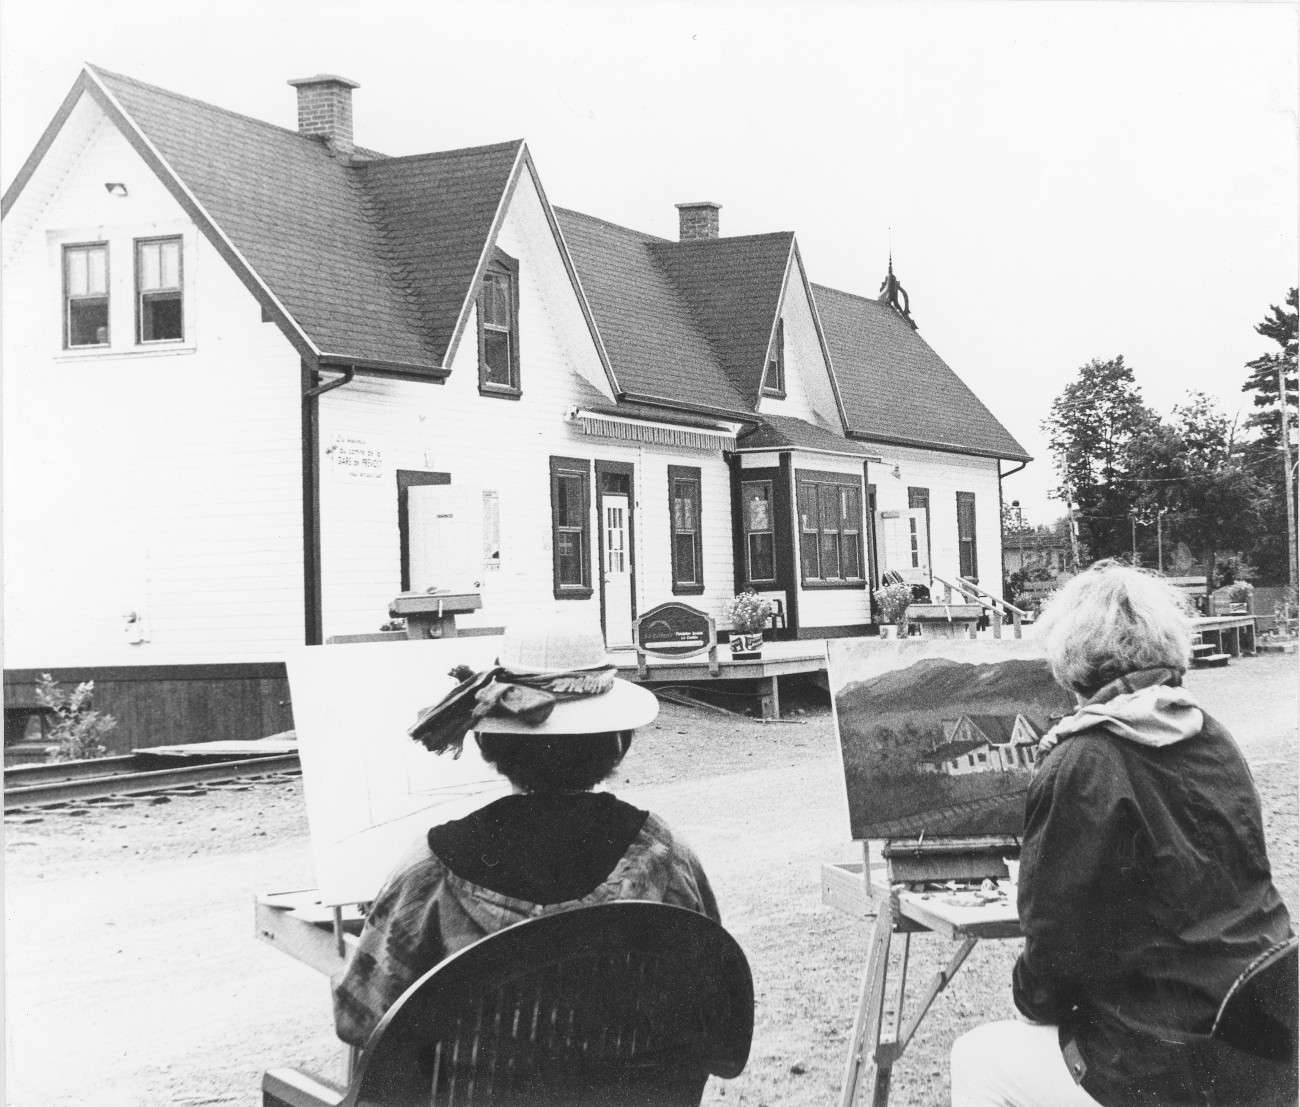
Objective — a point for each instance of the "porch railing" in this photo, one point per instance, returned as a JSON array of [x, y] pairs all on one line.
[[999, 610]]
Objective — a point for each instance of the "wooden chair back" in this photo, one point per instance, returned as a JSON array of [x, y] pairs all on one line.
[[1258, 1019], [626, 1003]]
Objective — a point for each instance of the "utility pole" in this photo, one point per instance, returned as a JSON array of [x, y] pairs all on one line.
[[1133, 534], [1286, 468], [1074, 537], [1160, 546]]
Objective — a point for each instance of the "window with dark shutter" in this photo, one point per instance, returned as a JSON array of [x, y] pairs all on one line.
[[571, 527], [969, 567], [684, 517], [498, 327]]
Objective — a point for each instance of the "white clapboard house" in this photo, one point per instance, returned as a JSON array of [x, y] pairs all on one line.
[[259, 381]]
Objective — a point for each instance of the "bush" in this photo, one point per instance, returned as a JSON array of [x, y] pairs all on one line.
[[1240, 592], [78, 728]]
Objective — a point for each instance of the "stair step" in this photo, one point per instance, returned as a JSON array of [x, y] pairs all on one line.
[[1210, 660]]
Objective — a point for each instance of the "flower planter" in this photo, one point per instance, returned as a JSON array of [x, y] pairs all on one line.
[[889, 630], [746, 647]]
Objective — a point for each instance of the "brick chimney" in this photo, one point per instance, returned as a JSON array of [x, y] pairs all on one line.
[[325, 109], [698, 220]]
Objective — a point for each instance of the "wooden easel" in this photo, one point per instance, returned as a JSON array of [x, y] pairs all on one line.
[[899, 908]]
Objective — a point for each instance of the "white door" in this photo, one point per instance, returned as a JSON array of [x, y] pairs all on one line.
[[446, 537], [617, 570], [906, 544]]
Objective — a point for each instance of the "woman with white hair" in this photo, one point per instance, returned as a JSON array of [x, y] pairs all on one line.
[[1144, 886], [553, 718]]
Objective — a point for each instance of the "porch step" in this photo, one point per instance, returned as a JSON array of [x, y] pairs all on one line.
[[1200, 649], [1210, 660]]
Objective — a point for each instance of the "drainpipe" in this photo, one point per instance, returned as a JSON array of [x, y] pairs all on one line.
[[313, 615]]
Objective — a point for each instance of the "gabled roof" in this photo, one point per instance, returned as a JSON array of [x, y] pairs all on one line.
[[733, 286], [896, 389], [655, 344]]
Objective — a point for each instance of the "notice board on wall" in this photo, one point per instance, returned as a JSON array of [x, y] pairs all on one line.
[[370, 789]]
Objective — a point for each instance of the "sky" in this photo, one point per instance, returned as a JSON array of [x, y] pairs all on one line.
[[1058, 181]]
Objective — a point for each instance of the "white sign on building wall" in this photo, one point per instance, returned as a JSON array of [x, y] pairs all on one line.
[[357, 457]]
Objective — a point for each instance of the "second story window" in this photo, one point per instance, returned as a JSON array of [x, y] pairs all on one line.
[[498, 327], [774, 378], [85, 295], [160, 308]]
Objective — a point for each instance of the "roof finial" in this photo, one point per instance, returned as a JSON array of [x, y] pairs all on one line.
[[892, 290]]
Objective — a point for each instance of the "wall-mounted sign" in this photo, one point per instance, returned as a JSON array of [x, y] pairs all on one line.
[[353, 456]]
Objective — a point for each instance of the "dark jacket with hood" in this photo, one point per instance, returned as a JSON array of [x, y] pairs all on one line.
[[1144, 892]]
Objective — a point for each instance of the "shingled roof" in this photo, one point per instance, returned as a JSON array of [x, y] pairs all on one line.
[[372, 261], [896, 389]]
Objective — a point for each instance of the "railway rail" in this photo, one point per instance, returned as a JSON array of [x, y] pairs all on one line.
[[137, 774]]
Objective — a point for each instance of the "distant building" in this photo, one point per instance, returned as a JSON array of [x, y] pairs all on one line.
[[1036, 551]]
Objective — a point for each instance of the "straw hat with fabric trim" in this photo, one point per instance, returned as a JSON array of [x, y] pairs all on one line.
[[559, 644]]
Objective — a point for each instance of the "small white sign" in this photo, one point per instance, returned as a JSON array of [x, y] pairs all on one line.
[[356, 457]]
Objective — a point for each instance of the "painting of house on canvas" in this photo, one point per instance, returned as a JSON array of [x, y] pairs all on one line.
[[939, 736]]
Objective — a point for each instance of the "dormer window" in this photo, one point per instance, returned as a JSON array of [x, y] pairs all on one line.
[[498, 327], [774, 377], [160, 315], [85, 295]]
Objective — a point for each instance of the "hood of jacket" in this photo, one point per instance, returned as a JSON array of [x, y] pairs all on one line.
[[1142, 708]]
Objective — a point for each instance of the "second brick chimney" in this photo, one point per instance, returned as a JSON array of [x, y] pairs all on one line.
[[325, 109], [698, 220]]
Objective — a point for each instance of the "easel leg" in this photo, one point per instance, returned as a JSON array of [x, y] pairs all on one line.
[[862, 1067]]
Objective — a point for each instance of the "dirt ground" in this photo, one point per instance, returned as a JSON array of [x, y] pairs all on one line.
[[133, 977]]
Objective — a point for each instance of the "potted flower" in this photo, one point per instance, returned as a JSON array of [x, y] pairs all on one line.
[[749, 614], [891, 603]]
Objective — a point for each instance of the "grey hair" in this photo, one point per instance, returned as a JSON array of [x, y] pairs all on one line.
[[1112, 620]]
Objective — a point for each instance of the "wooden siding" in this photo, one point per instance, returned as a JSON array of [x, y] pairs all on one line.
[[501, 446], [175, 704], [808, 392], [945, 475], [162, 480]]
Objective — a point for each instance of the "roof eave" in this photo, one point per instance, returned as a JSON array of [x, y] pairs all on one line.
[[942, 447], [697, 409]]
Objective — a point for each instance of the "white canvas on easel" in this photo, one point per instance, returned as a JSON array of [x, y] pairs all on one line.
[[370, 789]]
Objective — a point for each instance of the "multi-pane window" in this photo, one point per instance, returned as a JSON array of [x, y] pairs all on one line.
[[160, 314], [687, 547], [85, 295], [774, 378], [830, 528], [498, 326], [966, 534], [570, 523], [760, 533]]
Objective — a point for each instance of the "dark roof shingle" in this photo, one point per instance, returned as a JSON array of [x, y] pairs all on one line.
[[896, 389]]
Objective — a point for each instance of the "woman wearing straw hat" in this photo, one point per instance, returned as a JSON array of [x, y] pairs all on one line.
[[555, 721], [1144, 890]]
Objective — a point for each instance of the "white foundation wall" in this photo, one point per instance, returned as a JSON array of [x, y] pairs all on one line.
[[501, 446], [808, 391], [164, 481], [945, 475]]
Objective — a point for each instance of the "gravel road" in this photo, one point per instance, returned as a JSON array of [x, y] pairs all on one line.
[[133, 977]]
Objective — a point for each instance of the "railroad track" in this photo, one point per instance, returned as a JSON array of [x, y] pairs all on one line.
[[136, 774]]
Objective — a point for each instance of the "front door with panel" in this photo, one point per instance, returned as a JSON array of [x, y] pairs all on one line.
[[616, 528]]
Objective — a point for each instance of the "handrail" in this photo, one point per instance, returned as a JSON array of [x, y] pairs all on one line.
[[995, 605], [972, 586]]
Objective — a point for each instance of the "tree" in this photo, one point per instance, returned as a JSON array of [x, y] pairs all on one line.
[[1272, 552], [1093, 423], [1192, 469]]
